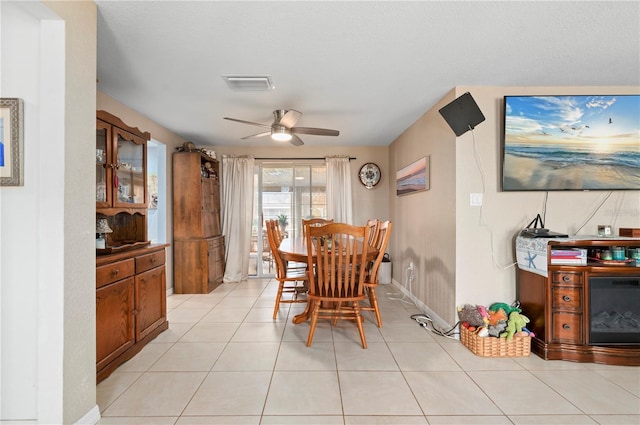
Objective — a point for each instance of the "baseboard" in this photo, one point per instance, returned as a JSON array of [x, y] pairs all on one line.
[[439, 321], [91, 417]]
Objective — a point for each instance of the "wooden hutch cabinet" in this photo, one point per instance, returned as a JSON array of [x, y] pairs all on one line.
[[121, 158], [584, 309], [130, 271], [198, 251]]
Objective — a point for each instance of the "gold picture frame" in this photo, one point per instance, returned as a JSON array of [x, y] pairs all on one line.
[[11, 142]]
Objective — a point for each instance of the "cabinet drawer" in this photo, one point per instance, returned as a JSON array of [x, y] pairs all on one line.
[[567, 278], [113, 272], [567, 327], [567, 298], [149, 261]]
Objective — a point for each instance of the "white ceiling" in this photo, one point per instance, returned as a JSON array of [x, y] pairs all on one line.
[[368, 69]]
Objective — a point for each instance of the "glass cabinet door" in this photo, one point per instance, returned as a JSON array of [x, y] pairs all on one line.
[[130, 177], [103, 172]]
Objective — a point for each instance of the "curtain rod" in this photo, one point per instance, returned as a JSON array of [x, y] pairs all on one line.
[[304, 159]]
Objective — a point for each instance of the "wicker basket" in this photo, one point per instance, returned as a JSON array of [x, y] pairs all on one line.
[[519, 346]]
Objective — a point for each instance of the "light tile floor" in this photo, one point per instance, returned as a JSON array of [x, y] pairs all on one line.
[[224, 360]]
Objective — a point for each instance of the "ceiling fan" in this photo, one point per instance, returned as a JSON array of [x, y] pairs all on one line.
[[282, 129]]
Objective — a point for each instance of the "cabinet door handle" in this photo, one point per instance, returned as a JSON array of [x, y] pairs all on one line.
[[566, 278], [566, 298], [566, 327]]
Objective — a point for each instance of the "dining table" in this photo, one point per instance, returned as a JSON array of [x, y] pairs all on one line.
[[295, 250]]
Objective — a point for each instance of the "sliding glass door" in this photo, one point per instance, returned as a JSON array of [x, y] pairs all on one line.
[[288, 193]]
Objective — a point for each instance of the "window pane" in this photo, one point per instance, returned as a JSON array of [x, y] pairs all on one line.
[[295, 191]]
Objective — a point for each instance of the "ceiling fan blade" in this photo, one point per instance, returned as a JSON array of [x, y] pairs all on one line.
[[248, 122], [290, 118], [266, 133], [316, 131], [296, 141]]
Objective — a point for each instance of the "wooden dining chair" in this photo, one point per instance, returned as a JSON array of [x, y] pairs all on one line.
[[315, 221], [372, 224], [380, 243], [293, 282], [277, 231], [337, 285]]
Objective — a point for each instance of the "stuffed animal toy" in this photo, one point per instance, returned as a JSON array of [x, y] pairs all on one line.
[[498, 328], [506, 307], [515, 324], [485, 314], [470, 314], [497, 316]]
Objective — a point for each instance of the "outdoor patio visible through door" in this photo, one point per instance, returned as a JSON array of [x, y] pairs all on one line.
[[286, 192]]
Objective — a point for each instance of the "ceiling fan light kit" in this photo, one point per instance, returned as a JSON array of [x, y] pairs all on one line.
[[282, 129], [280, 133]]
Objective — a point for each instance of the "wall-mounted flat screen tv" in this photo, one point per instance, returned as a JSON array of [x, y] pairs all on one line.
[[571, 143]]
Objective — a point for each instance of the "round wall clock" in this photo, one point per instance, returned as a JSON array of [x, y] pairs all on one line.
[[369, 175]]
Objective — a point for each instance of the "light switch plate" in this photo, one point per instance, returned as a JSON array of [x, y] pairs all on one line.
[[475, 199]]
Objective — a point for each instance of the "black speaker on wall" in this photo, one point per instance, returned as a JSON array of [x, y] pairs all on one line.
[[462, 114]]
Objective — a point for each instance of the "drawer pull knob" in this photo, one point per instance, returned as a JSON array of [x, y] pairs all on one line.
[[566, 278], [115, 272], [566, 298], [566, 327]]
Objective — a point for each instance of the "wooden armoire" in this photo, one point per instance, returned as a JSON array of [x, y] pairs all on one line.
[[198, 252]]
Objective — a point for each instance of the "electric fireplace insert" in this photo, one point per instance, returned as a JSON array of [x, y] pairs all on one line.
[[614, 310]]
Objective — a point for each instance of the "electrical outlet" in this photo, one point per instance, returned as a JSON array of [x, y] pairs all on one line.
[[475, 199]]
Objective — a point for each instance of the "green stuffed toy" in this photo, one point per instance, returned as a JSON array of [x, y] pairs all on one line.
[[504, 306], [515, 324]]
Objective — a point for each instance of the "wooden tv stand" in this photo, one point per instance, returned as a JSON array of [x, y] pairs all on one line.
[[556, 297]]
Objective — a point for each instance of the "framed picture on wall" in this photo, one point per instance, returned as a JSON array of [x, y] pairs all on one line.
[[11, 142], [413, 178]]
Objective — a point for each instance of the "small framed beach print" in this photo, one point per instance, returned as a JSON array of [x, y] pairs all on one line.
[[413, 178], [11, 142]]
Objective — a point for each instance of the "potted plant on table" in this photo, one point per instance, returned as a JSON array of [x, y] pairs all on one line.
[[283, 222]]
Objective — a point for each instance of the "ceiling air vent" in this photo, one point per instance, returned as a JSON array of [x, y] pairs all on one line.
[[249, 82]]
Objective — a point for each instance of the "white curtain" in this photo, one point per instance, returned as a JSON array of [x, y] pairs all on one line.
[[339, 198], [237, 212]]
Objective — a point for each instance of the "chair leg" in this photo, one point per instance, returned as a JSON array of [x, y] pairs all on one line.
[[277, 307], [373, 301], [315, 306], [337, 306], [359, 321]]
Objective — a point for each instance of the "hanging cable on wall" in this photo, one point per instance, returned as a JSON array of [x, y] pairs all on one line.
[[409, 276]]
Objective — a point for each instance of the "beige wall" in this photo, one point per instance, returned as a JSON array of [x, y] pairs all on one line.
[[465, 254], [136, 119], [424, 222]]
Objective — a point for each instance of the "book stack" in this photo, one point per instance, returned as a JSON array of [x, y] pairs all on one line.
[[569, 256]]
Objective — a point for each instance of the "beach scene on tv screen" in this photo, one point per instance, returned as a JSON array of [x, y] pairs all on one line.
[[571, 143]]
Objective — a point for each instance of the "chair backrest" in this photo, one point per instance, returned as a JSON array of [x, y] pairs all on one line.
[[341, 253], [316, 221], [275, 227], [381, 242], [372, 224], [274, 244]]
